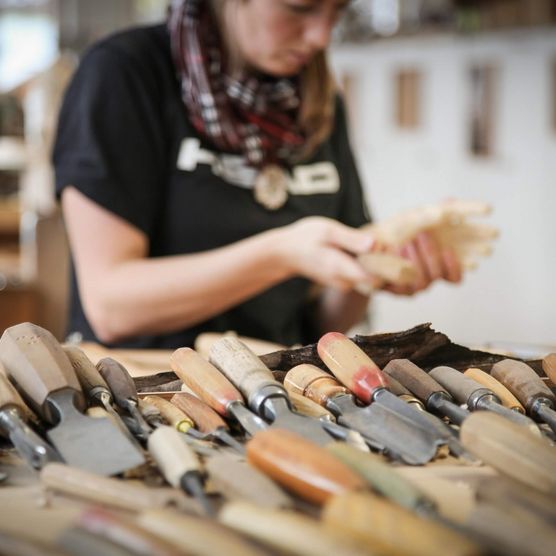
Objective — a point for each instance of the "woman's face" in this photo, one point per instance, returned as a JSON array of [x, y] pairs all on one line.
[[279, 37]]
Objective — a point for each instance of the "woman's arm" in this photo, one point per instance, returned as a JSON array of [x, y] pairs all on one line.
[[124, 293]]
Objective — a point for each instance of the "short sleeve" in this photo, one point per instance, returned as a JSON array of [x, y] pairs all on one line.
[[109, 143]]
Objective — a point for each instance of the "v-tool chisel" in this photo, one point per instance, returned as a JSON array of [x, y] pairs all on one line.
[[38, 365]]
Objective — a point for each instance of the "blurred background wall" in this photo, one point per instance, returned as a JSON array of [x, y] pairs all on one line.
[[447, 99]]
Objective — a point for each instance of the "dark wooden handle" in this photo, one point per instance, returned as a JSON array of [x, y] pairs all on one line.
[[301, 466], [460, 386], [118, 380], [522, 381], [38, 365], [205, 418], [313, 383], [204, 379], [414, 378], [351, 365], [84, 368]]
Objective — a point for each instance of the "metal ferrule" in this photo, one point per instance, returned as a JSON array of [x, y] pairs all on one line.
[[10, 420], [442, 403], [474, 401], [270, 390], [543, 410]]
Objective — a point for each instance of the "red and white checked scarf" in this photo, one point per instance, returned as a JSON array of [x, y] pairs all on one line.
[[253, 114]]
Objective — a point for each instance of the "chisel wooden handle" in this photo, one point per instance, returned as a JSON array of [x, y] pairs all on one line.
[[351, 365], [307, 407], [461, 387], [522, 381], [390, 529], [172, 414], [205, 418], [300, 466], [313, 383], [205, 380], [9, 397], [549, 367], [511, 449], [410, 375], [397, 388], [488, 381], [118, 379], [242, 367], [172, 455], [84, 368], [37, 363]]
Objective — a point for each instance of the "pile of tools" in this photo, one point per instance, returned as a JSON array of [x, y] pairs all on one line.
[[353, 459]]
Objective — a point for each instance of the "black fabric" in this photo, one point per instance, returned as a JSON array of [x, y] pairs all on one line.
[[120, 130]]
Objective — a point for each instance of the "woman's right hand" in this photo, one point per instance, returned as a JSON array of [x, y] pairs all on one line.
[[323, 250]]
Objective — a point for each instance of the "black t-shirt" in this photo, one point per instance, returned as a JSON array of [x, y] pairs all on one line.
[[124, 141]]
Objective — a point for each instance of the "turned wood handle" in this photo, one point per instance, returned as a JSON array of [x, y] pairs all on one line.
[[204, 379], [351, 365], [410, 375], [506, 397], [300, 466], [241, 366], [9, 396], [390, 268], [205, 418], [522, 381], [307, 407], [549, 367], [313, 383], [460, 386], [172, 414], [118, 379], [84, 368], [172, 455], [511, 449], [38, 365], [397, 388]]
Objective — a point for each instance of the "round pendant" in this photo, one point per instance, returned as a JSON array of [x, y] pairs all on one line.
[[271, 187]]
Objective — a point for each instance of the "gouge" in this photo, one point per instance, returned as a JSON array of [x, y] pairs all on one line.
[[476, 396], [214, 389], [124, 392], [549, 367], [398, 389], [529, 389], [488, 381], [300, 466], [31, 447], [43, 373], [265, 396], [207, 421], [179, 464], [398, 436]]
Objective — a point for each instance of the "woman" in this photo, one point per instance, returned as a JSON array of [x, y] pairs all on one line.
[[206, 180]]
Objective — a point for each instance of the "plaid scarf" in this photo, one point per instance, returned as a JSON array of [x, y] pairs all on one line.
[[251, 114]]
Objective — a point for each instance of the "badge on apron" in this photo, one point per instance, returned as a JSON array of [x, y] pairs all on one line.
[[271, 187]]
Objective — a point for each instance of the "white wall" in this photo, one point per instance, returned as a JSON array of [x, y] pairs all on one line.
[[511, 296]]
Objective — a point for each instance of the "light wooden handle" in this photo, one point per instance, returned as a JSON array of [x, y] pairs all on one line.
[[84, 368], [307, 407], [390, 268], [313, 383], [410, 375], [172, 455], [505, 396], [511, 449], [37, 363], [390, 529], [460, 386], [351, 365], [549, 367], [118, 379], [286, 531], [172, 414], [205, 380], [300, 466], [522, 381], [205, 418], [9, 396], [241, 366]]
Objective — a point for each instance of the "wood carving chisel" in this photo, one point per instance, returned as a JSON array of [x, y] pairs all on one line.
[[93, 385], [488, 381], [529, 389], [549, 367], [214, 389], [395, 434], [43, 373], [179, 464], [477, 397], [207, 421], [124, 392], [265, 395], [13, 412]]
